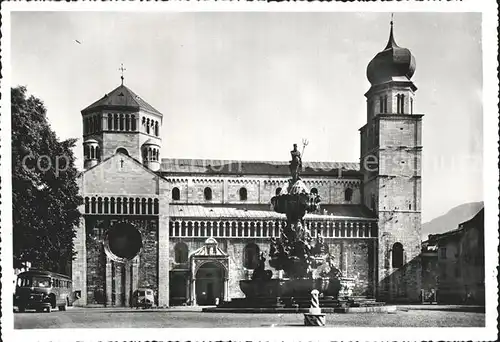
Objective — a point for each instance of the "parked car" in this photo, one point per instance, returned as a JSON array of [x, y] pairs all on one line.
[[143, 298]]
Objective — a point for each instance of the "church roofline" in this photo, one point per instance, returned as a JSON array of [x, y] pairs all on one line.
[[394, 82], [246, 167], [355, 212], [110, 101]]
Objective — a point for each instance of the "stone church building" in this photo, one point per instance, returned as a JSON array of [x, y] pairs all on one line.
[[191, 229]]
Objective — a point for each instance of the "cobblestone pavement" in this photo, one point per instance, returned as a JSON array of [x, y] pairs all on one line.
[[130, 318]]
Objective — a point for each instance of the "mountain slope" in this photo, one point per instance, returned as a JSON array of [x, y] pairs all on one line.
[[451, 219]]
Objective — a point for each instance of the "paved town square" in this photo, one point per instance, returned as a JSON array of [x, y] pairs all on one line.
[[181, 318]]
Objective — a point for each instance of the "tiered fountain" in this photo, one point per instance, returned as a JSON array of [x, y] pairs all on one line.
[[305, 267]]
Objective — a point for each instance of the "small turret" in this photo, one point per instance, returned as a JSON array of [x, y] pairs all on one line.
[[151, 155], [91, 153]]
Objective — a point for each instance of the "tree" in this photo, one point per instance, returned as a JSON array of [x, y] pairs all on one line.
[[45, 195]]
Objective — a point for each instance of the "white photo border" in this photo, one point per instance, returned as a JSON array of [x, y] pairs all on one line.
[[489, 11]]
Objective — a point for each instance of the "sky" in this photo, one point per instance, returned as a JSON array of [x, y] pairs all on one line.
[[246, 86]]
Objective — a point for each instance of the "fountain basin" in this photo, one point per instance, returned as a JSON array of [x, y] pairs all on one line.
[[289, 287]]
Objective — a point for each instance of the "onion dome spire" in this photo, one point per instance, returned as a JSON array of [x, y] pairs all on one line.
[[392, 64], [391, 43]]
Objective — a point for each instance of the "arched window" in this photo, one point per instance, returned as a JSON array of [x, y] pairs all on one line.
[[119, 205], [157, 132], [181, 253], [99, 205], [314, 191], [278, 191], [348, 194], [122, 151], [176, 194], [106, 205], [87, 205], [147, 126], [133, 125], [156, 206], [112, 205], [143, 206], [137, 206], [150, 206], [401, 103], [127, 122], [251, 256], [243, 194], [121, 122], [115, 122], [397, 255], [208, 194], [93, 205], [110, 122], [125, 205], [131, 205]]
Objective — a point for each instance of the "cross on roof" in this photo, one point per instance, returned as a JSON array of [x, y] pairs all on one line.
[[122, 69]]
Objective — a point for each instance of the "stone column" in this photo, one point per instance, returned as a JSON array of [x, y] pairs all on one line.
[[79, 267], [193, 292], [226, 289], [109, 279], [163, 244], [118, 284], [188, 287], [135, 274], [128, 285]]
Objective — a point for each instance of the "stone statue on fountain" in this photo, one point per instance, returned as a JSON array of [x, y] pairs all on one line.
[[295, 164]]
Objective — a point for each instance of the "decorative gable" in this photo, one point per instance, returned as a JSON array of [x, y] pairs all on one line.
[[120, 174]]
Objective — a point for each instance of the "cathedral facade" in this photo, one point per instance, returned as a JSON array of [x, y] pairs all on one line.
[[192, 229]]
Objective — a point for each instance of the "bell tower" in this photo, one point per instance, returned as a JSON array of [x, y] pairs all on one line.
[[391, 147], [122, 122]]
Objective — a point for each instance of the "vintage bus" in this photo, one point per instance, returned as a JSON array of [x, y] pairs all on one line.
[[42, 290]]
